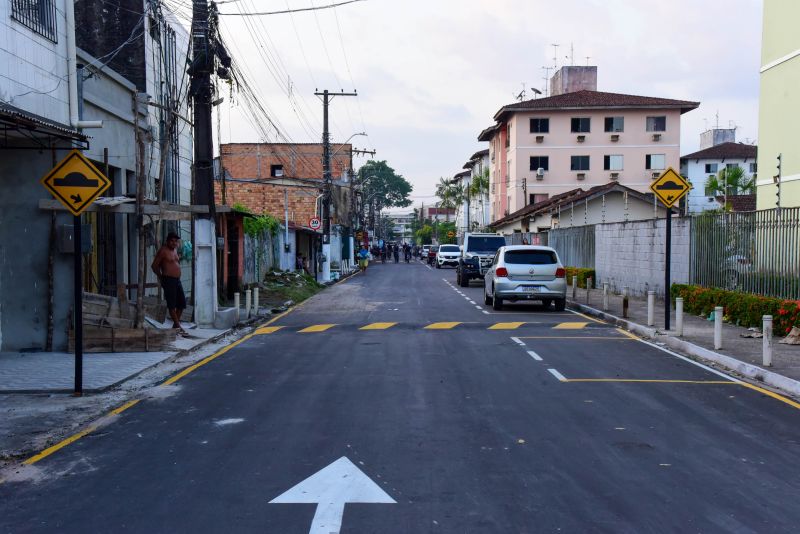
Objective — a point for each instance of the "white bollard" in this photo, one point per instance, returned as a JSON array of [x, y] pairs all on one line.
[[605, 296], [255, 301], [574, 287], [248, 302], [679, 316], [236, 305], [718, 327], [766, 330], [651, 308]]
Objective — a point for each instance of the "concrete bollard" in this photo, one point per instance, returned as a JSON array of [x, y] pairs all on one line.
[[255, 301], [625, 291], [766, 330], [574, 287], [718, 327], [248, 302], [651, 308], [605, 296], [588, 289], [679, 316], [236, 305]]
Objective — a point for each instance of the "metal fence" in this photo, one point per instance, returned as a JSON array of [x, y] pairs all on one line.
[[575, 246], [260, 256], [756, 252]]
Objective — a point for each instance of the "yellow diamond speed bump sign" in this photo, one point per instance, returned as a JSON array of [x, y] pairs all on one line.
[[670, 187], [75, 182]]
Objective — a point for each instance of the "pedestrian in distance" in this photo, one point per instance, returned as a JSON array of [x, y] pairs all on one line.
[[363, 258], [396, 253], [167, 266]]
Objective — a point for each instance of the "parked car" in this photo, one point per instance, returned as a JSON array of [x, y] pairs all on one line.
[[423, 255], [476, 256], [447, 255], [432, 254], [525, 272]]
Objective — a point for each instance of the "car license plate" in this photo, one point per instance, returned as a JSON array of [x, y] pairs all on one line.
[[531, 289]]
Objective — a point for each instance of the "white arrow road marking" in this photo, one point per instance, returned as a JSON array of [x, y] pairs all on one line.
[[330, 489]]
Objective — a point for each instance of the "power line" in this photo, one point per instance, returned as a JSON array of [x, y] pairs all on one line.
[[329, 6]]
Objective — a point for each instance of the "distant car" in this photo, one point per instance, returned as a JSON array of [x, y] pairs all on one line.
[[424, 252], [447, 255], [432, 254], [525, 272]]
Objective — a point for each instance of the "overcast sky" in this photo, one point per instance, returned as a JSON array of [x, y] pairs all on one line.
[[431, 74]]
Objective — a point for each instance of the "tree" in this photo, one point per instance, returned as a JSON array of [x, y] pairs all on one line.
[[389, 188], [730, 181], [424, 235], [446, 191]]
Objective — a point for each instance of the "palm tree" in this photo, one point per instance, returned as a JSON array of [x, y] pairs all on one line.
[[480, 188], [445, 190], [730, 181]]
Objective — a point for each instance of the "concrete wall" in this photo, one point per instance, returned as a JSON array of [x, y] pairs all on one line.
[[33, 69], [632, 254]]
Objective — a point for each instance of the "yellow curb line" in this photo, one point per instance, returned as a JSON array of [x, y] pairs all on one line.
[[650, 381]]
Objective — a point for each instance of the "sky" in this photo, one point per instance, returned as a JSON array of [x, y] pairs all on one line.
[[430, 74]]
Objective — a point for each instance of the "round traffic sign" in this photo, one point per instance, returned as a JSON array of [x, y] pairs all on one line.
[[314, 223]]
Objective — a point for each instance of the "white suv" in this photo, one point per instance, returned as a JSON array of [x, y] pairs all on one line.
[[448, 255]]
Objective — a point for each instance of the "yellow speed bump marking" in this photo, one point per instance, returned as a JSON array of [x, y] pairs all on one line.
[[651, 381], [570, 326], [506, 326], [442, 326], [316, 328], [268, 329], [377, 326]]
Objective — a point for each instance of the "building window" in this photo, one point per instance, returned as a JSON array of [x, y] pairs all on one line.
[[579, 163], [753, 168], [615, 124], [540, 162], [657, 124], [538, 197], [729, 166], [276, 170], [711, 168], [581, 124], [656, 162], [38, 15], [612, 163], [508, 135], [540, 125]]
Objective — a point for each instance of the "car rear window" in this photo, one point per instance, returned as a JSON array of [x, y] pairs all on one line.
[[449, 248], [485, 244], [530, 257]]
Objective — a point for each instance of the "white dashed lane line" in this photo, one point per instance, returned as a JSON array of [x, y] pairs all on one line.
[[559, 376], [534, 356], [518, 341]]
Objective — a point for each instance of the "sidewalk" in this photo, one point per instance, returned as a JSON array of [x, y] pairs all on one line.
[[738, 354], [54, 372]]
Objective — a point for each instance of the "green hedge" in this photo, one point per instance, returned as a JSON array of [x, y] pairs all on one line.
[[582, 275], [743, 309]]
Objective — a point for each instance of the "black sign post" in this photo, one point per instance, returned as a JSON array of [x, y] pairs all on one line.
[[667, 265], [78, 283]]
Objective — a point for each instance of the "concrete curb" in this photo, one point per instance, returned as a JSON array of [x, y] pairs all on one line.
[[759, 374]]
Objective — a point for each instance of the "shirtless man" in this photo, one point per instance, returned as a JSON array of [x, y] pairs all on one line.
[[167, 267]]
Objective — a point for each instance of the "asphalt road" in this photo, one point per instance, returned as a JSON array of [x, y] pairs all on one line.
[[444, 417]]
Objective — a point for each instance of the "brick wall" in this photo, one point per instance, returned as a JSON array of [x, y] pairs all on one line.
[[256, 160], [266, 198], [632, 254]]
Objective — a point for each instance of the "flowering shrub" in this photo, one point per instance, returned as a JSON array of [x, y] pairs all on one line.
[[743, 309], [582, 275]]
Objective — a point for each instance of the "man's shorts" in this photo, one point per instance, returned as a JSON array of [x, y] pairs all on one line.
[[173, 292]]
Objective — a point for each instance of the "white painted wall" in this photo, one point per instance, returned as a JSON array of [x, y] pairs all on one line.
[[33, 69]]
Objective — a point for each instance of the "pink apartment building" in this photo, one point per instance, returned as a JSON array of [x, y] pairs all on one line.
[[579, 137]]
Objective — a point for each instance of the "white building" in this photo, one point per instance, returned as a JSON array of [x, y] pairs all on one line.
[[698, 166], [401, 226]]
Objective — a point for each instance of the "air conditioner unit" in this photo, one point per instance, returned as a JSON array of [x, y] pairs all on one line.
[[540, 173], [615, 176], [540, 139], [614, 137], [656, 137], [581, 176], [581, 138]]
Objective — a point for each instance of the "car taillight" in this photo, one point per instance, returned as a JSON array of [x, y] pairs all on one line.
[[501, 272], [561, 272]]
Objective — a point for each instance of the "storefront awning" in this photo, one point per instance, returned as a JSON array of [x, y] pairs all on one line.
[[20, 129]]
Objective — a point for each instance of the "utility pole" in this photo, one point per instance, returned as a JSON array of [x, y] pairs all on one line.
[[327, 96], [206, 49]]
